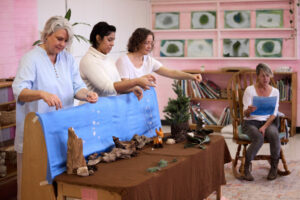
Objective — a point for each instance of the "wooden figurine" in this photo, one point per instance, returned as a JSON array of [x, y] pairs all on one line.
[[76, 163], [158, 140]]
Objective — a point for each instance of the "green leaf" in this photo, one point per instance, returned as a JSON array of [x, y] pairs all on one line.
[[83, 23], [153, 169], [36, 42], [76, 36], [80, 37], [68, 14], [189, 145], [162, 163]]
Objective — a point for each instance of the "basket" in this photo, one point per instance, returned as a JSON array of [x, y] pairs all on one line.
[[7, 115]]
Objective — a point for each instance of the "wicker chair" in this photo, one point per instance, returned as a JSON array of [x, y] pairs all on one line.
[[237, 85]]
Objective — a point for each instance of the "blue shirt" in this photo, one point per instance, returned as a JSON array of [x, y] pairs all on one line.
[[37, 72]]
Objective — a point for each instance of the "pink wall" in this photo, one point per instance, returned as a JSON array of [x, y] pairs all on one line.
[[290, 51], [18, 30]]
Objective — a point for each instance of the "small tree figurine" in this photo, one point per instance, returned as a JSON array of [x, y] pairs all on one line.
[[177, 113]]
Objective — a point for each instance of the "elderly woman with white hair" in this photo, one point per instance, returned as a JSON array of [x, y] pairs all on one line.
[[259, 127], [47, 80]]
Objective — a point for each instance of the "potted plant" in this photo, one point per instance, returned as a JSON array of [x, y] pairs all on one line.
[[177, 113]]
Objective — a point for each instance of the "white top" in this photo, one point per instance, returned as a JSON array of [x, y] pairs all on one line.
[[249, 93], [128, 70], [99, 72]]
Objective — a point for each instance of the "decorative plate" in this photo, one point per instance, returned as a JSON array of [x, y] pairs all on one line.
[[236, 47], [167, 20], [200, 48], [203, 20], [172, 48], [237, 19], [269, 18], [269, 47]]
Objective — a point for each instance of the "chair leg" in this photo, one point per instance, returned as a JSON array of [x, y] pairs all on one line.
[[235, 162], [286, 170], [243, 160]]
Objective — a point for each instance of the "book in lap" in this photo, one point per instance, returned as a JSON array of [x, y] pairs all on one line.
[[264, 105]]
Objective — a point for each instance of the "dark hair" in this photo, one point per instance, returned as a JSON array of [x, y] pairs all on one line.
[[265, 68], [137, 38], [102, 29]]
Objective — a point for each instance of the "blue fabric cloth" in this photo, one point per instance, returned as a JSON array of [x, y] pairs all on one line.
[[121, 116], [37, 72]]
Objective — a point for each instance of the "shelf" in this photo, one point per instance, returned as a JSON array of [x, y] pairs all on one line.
[[7, 103], [4, 84], [221, 30], [216, 128], [227, 58], [206, 99], [7, 126], [168, 2], [196, 71], [288, 102]]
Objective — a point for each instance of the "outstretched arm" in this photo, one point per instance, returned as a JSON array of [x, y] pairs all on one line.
[[127, 85], [176, 74], [86, 95]]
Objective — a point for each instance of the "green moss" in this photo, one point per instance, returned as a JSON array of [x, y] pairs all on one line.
[[238, 18], [203, 19], [172, 48], [167, 20], [268, 47]]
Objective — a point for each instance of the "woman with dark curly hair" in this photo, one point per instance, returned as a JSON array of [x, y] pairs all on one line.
[[137, 62]]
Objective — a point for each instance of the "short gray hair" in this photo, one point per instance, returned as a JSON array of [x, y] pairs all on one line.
[[265, 68], [55, 23]]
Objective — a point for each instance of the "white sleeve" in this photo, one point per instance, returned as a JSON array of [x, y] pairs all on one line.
[[247, 98], [277, 101], [155, 64], [97, 77], [123, 67]]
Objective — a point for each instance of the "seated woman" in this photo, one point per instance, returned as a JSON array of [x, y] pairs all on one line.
[[259, 127], [99, 72], [137, 62]]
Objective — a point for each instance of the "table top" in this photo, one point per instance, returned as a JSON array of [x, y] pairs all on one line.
[[195, 174]]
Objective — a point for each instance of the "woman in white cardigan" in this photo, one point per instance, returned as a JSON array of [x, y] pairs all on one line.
[[99, 72]]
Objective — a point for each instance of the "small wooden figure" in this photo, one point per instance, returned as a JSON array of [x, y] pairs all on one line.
[[158, 140]]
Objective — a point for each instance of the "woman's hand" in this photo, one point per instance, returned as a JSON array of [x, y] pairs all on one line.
[[197, 77], [249, 110], [51, 99], [91, 97], [138, 92], [262, 130], [147, 81]]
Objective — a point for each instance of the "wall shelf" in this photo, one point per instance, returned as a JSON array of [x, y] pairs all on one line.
[[287, 33]]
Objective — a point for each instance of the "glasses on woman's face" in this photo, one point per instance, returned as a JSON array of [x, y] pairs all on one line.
[[146, 43]]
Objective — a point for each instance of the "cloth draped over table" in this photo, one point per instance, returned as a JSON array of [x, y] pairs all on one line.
[[121, 116]]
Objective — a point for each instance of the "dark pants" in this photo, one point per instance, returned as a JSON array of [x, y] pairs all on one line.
[[250, 127]]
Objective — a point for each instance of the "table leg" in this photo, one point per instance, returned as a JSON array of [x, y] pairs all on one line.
[[219, 193]]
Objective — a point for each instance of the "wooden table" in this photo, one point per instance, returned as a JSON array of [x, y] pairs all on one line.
[[195, 175]]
